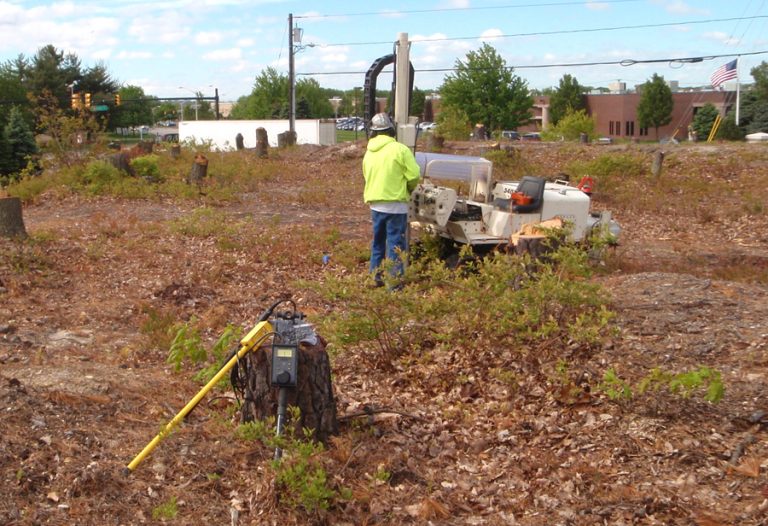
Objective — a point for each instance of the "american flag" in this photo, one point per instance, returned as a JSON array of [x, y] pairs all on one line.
[[723, 73]]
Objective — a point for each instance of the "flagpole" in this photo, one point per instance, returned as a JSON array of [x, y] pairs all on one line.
[[738, 91]]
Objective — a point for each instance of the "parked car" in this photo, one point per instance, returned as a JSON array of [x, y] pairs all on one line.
[[426, 125], [532, 136], [511, 135]]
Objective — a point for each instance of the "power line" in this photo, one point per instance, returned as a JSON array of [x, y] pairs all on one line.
[[624, 63], [448, 9], [558, 32]]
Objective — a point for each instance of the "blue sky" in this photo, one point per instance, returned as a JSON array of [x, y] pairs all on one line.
[[173, 47]]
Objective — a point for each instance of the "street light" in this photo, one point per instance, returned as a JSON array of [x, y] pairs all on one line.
[[335, 103], [294, 36]]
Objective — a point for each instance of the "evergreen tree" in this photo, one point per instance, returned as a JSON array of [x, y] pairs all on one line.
[[655, 106], [760, 74], [19, 142], [704, 119]]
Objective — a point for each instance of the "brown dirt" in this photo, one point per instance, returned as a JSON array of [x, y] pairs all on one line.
[[84, 385]]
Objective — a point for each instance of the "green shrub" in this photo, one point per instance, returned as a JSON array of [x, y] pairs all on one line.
[[146, 167], [453, 124], [300, 478], [166, 510], [684, 384], [571, 127], [98, 174], [187, 346], [532, 302]]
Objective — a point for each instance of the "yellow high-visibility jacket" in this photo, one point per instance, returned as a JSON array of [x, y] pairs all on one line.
[[390, 170]]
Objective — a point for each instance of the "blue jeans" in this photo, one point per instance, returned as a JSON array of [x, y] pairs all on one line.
[[389, 240]]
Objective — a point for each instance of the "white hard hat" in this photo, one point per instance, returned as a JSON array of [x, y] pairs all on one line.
[[381, 121]]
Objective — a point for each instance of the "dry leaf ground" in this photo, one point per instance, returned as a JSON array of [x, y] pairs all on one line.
[[84, 386]]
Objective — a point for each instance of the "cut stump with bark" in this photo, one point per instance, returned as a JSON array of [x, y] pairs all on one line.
[[285, 139], [262, 142], [11, 218], [199, 170], [313, 394]]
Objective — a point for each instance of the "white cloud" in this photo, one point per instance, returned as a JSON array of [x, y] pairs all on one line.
[[224, 54], [134, 55], [171, 30], [208, 37], [680, 7], [490, 35], [102, 54], [597, 6], [722, 38], [338, 58]]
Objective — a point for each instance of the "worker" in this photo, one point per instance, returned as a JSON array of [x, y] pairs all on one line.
[[391, 174]]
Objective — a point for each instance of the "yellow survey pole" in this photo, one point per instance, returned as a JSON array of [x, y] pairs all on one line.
[[251, 340], [715, 127]]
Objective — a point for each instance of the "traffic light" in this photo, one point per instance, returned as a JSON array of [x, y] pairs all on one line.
[[117, 99], [87, 100], [75, 101]]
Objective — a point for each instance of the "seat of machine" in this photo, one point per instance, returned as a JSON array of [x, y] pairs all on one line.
[[533, 187]]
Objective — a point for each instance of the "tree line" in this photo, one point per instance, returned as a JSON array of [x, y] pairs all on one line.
[[481, 90]]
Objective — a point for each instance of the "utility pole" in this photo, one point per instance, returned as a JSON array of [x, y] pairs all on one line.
[[403, 81], [291, 79]]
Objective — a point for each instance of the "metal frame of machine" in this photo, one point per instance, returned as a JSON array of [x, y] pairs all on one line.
[[490, 213]]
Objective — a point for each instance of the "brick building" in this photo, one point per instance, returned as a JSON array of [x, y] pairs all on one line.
[[615, 113]]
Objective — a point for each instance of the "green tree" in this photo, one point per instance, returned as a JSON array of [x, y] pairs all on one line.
[[317, 105], [760, 74], [19, 143], [166, 111], [135, 108], [728, 130], [571, 126], [453, 123], [655, 106], [267, 100], [51, 71], [11, 89], [487, 91], [704, 119], [97, 81], [417, 102], [568, 97]]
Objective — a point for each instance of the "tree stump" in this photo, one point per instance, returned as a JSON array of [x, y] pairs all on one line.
[[122, 161], [239, 141], [534, 245], [11, 218], [313, 394], [658, 160], [142, 148], [199, 170], [262, 142], [435, 142], [175, 151], [285, 139]]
